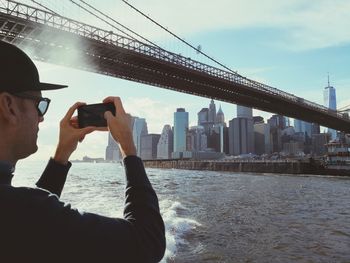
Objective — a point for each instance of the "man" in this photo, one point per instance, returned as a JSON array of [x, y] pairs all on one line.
[[35, 226]]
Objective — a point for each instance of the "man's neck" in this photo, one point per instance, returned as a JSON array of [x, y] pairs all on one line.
[[6, 154], [6, 172]]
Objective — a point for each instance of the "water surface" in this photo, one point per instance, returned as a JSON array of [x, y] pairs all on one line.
[[225, 217]]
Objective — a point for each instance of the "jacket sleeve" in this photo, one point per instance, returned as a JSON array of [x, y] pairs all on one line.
[[54, 177], [139, 237]]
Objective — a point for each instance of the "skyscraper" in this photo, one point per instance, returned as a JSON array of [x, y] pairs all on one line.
[[241, 136], [139, 130], [166, 143], [277, 121], [212, 112], [262, 138], [180, 129], [303, 126], [330, 102], [203, 116], [112, 149], [220, 117], [241, 132], [149, 146], [244, 112], [196, 139]]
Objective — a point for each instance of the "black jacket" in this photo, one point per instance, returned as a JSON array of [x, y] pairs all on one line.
[[37, 227]]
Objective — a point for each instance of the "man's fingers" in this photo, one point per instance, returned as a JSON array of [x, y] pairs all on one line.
[[118, 106], [108, 99], [117, 103], [71, 111], [88, 130], [75, 125], [108, 115], [101, 129]]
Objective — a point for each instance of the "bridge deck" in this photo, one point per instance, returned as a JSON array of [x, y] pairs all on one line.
[[105, 52]]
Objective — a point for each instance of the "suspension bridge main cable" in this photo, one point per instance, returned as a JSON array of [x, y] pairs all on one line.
[[128, 29], [115, 21], [182, 40], [345, 108], [50, 10], [252, 82], [77, 4], [36, 2]]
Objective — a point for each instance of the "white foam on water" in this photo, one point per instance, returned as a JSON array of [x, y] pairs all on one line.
[[176, 227]]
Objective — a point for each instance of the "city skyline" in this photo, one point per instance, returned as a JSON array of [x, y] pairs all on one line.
[[212, 137], [287, 46]]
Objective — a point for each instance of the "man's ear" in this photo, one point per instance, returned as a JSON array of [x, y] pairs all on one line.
[[9, 109]]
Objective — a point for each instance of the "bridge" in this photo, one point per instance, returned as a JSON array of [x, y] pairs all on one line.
[[51, 37]]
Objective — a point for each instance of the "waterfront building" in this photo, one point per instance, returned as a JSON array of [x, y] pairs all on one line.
[[203, 116], [277, 121], [217, 138], [219, 133], [276, 139], [208, 117], [196, 139], [287, 135], [165, 145], [293, 149], [241, 136], [303, 126], [330, 102], [298, 125], [287, 120], [258, 119], [112, 150], [262, 138], [319, 142], [202, 155], [244, 112], [212, 112], [180, 129], [220, 117], [149, 144], [308, 129], [315, 129], [241, 132], [277, 125], [299, 137], [139, 130]]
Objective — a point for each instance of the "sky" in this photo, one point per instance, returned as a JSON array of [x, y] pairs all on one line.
[[290, 45]]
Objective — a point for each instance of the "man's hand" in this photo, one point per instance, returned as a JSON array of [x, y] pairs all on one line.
[[71, 134], [120, 127]]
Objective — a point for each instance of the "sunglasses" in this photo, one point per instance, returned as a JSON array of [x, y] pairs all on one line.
[[42, 103]]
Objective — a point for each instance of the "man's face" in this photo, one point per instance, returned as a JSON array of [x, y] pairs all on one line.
[[29, 125]]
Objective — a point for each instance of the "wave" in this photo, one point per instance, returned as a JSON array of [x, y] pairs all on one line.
[[175, 226]]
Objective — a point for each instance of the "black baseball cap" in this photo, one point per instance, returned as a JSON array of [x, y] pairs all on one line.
[[18, 73]]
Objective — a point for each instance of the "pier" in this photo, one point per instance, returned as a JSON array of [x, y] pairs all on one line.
[[256, 166]]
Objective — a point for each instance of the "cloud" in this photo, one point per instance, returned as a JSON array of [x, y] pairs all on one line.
[[320, 25], [305, 24], [157, 113]]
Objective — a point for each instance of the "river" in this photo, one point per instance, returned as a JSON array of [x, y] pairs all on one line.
[[225, 217]]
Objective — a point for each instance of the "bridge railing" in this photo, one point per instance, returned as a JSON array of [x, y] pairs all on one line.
[[44, 17]]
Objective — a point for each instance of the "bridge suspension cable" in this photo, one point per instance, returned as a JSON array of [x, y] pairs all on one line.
[[197, 49], [115, 21], [91, 13], [345, 108], [43, 6]]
